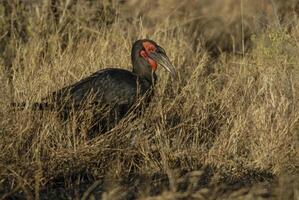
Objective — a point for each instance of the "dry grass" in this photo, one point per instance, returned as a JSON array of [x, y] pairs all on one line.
[[227, 129]]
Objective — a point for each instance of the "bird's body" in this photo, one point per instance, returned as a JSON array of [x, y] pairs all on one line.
[[110, 93], [113, 88]]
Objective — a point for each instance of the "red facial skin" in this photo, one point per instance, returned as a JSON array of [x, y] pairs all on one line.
[[149, 47]]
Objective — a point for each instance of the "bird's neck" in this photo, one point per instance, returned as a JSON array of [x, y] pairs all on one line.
[[150, 77]]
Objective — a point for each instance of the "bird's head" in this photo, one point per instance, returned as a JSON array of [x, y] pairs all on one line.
[[147, 55]]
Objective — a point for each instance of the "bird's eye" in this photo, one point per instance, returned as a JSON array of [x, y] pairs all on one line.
[[152, 48], [149, 47]]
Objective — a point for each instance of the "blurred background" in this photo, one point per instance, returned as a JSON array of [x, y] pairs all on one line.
[[217, 26]]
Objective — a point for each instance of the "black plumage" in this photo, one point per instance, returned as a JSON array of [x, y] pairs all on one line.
[[113, 88]]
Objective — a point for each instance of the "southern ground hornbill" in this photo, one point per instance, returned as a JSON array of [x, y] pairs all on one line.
[[112, 88]]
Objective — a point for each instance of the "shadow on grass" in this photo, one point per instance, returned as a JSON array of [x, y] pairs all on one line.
[[84, 185]]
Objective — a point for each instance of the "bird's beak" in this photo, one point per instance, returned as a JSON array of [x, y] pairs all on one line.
[[164, 61]]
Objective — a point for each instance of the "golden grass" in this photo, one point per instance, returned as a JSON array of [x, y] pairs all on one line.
[[227, 129]]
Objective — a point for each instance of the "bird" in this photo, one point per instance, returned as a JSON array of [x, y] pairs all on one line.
[[114, 88]]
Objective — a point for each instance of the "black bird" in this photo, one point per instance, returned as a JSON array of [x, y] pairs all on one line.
[[115, 88]]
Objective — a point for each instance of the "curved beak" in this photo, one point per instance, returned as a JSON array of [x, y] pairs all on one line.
[[163, 60]]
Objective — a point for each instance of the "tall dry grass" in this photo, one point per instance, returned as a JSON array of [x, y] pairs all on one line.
[[226, 129]]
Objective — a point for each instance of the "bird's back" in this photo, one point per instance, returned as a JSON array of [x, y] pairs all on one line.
[[110, 86]]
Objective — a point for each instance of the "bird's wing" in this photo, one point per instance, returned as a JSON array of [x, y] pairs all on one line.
[[109, 86]]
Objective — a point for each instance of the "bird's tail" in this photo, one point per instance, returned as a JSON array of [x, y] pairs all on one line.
[[38, 106]]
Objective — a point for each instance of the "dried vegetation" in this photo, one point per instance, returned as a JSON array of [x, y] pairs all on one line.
[[227, 129]]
